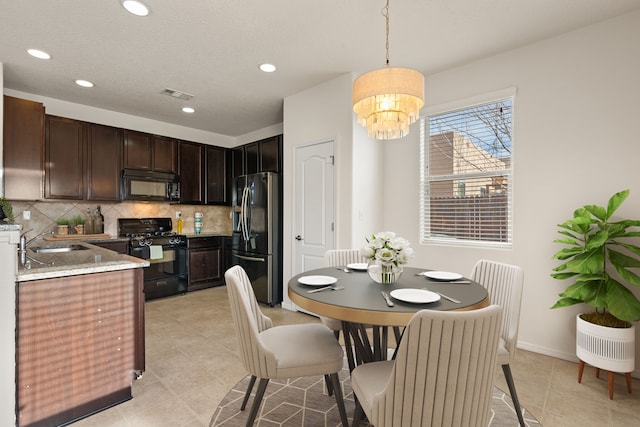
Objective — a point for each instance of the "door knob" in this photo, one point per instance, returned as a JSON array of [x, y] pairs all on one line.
[[298, 237]]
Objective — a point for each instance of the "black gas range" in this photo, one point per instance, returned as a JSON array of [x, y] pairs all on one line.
[[152, 239]]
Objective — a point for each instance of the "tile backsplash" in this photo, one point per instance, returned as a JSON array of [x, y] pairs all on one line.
[[216, 219]]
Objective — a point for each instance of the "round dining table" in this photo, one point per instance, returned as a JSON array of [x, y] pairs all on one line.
[[361, 301], [358, 302]]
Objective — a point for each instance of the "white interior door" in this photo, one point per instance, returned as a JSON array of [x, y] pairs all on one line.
[[314, 214]]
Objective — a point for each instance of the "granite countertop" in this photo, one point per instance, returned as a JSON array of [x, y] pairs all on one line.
[[93, 259], [85, 238], [10, 227]]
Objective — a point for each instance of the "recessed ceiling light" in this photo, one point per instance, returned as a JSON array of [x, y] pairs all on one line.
[[268, 68], [38, 54], [135, 7], [188, 110], [84, 83]]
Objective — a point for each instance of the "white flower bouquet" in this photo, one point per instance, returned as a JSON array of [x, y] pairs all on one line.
[[387, 253], [387, 249]]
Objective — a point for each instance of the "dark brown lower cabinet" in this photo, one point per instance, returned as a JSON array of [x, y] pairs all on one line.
[[80, 344], [120, 246], [205, 262]]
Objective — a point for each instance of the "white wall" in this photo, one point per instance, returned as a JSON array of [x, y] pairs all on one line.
[[576, 142], [323, 113]]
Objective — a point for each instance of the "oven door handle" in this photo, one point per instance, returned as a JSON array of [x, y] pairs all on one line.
[[249, 258]]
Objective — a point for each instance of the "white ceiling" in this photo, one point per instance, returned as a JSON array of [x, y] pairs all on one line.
[[212, 48]]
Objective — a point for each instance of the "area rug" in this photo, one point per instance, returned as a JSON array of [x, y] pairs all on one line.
[[303, 402]]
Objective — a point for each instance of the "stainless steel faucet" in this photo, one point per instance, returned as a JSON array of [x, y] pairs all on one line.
[[22, 249]]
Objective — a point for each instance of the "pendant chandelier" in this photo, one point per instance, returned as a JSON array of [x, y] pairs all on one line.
[[389, 99]]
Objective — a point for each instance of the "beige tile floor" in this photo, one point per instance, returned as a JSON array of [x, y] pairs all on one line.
[[192, 362]]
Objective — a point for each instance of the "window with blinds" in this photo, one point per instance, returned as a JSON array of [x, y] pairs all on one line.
[[466, 191]]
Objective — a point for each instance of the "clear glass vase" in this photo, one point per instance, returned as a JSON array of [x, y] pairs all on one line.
[[384, 273]]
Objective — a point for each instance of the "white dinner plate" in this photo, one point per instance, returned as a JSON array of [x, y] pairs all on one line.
[[442, 275], [358, 266], [317, 280], [415, 296]]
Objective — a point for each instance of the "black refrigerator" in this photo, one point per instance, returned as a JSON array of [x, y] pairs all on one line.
[[257, 233]]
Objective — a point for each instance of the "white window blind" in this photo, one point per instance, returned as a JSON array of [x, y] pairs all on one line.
[[466, 179]]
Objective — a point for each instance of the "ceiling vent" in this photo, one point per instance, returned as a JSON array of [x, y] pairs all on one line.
[[177, 94]]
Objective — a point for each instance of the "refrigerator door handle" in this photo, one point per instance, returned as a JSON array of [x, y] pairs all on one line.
[[245, 213], [249, 258]]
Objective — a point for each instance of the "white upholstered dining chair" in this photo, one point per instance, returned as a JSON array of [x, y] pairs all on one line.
[[336, 258], [287, 351], [340, 258], [504, 283], [442, 375]]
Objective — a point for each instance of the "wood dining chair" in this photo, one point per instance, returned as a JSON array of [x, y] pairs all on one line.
[[287, 351], [504, 283], [442, 375]]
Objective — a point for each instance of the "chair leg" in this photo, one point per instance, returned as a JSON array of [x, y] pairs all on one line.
[[248, 393], [327, 381], [580, 370], [512, 390], [337, 391], [348, 348], [262, 386], [357, 414], [610, 381]]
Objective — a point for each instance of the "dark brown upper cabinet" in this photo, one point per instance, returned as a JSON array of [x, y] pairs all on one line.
[[23, 149], [251, 158], [271, 154], [83, 161], [237, 161], [203, 174], [260, 156], [64, 151], [104, 164], [163, 154], [149, 152], [216, 176], [136, 150], [191, 169]]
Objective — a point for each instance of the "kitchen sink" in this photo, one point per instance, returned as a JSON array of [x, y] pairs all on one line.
[[58, 249]]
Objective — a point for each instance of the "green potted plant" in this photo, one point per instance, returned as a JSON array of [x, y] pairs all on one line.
[[63, 225], [6, 211], [599, 259], [78, 221]]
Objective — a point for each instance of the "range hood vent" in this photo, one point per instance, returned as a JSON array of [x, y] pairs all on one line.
[[177, 94]]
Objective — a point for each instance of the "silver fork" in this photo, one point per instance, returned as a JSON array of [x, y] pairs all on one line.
[[453, 300], [334, 287]]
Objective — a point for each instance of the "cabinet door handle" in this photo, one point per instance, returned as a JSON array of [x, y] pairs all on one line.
[[298, 237]]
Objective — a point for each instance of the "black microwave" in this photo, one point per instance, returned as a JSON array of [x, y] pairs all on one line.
[[150, 186]]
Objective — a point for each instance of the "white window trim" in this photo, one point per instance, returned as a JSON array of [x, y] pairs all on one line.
[[448, 107]]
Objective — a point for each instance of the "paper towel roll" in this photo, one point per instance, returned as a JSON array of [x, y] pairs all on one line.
[[155, 252]]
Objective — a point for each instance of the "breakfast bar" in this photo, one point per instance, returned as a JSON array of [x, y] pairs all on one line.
[[80, 331]]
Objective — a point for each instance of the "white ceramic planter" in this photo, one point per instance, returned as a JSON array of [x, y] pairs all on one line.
[[611, 349]]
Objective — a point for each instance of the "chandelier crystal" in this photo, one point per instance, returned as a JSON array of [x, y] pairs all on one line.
[[389, 99]]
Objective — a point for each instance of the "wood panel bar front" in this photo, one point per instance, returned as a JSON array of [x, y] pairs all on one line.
[[80, 344]]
